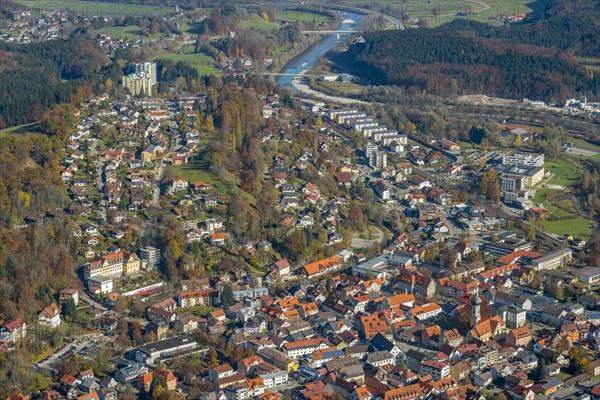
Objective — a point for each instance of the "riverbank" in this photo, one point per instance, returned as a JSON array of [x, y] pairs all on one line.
[[300, 85]]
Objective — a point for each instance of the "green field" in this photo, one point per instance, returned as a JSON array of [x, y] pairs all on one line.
[[578, 227], [292, 16], [202, 62], [99, 8], [566, 171], [27, 129], [478, 10], [195, 173], [584, 144], [128, 32]]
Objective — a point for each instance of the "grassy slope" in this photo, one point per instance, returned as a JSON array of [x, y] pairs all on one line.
[[27, 129]]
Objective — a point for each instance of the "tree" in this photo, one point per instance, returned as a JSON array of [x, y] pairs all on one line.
[[542, 370], [210, 124], [198, 121], [69, 310], [59, 121], [227, 298], [212, 358], [157, 388]]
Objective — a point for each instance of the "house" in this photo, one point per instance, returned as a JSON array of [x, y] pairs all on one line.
[[217, 239], [419, 285], [50, 316], [178, 184], [13, 331], [438, 370], [519, 337], [68, 294], [381, 343], [282, 267]]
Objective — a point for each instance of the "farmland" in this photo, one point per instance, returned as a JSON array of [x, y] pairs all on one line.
[[98, 8]]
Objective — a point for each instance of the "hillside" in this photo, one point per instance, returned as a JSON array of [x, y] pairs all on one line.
[[533, 60], [36, 76]]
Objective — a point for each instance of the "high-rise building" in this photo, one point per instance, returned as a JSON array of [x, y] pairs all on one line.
[[148, 68], [142, 80]]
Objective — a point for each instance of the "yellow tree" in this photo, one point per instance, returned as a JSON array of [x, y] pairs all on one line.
[[210, 124]]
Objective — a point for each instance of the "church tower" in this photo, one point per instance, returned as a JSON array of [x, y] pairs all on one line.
[[476, 309]]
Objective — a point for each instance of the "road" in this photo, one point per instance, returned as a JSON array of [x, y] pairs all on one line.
[[99, 179], [75, 345], [91, 301]]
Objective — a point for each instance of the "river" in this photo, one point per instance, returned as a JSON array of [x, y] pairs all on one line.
[[307, 59]]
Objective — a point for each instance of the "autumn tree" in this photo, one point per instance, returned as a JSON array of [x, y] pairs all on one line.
[[59, 121]]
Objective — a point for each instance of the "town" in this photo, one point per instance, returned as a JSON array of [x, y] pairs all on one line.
[[201, 230]]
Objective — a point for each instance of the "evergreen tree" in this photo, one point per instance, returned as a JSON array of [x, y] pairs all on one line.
[[542, 371], [227, 298]]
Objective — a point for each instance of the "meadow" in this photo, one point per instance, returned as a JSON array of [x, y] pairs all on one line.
[[129, 32], [97, 8], [202, 62], [438, 12], [20, 130], [578, 227]]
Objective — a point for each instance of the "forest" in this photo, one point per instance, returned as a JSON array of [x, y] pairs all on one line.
[[37, 76], [533, 60]]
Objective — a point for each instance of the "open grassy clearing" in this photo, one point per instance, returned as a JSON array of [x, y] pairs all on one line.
[[578, 227], [98, 8], [128, 32], [202, 62], [27, 129], [566, 171]]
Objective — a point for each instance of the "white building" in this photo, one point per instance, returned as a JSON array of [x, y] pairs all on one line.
[[103, 284], [50, 316], [521, 158], [438, 370]]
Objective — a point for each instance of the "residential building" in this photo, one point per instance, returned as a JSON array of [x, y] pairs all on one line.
[[193, 298], [151, 255], [438, 370], [50, 316], [13, 331], [426, 311]]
